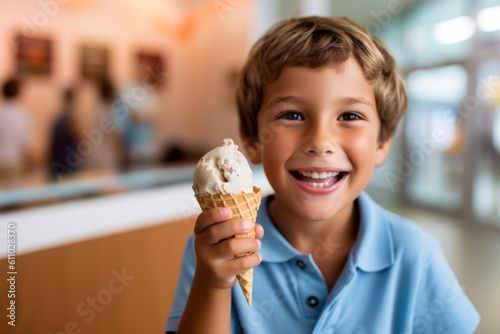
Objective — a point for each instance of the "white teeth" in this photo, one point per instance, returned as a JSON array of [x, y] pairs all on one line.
[[322, 175], [318, 184], [322, 179]]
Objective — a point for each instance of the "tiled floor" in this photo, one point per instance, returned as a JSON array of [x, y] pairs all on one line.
[[473, 252]]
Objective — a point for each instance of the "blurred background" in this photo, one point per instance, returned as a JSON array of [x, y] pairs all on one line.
[[106, 106]]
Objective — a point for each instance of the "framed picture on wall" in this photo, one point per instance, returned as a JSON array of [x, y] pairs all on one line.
[[33, 55], [94, 62], [150, 68]]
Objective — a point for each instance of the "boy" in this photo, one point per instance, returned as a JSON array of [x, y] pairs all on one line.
[[319, 101]]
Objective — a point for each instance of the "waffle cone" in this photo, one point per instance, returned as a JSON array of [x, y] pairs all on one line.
[[243, 206]]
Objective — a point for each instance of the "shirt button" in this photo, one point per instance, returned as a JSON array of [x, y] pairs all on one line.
[[301, 264], [312, 301]]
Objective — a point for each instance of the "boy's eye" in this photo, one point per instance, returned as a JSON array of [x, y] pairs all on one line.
[[348, 116], [290, 115]]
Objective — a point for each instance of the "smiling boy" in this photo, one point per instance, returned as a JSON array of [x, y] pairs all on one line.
[[319, 101]]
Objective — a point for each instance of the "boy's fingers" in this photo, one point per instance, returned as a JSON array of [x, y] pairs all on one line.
[[231, 248], [210, 217], [245, 263], [220, 231], [259, 231]]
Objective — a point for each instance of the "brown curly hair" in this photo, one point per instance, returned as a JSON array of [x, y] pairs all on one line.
[[315, 42]]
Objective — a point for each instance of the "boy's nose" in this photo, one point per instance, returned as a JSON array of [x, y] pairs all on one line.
[[320, 140]]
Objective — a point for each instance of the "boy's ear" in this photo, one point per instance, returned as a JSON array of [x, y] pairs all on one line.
[[382, 150], [251, 149]]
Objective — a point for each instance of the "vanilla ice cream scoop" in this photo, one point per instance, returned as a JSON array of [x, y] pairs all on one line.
[[223, 170]]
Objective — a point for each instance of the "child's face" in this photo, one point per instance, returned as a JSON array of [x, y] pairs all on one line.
[[318, 139]]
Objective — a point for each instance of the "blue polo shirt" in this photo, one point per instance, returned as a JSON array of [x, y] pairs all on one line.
[[396, 280]]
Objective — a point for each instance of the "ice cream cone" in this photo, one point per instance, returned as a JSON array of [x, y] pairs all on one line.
[[243, 206]]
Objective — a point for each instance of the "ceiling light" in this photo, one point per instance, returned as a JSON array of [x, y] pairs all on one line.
[[489, 19], [456, 30]]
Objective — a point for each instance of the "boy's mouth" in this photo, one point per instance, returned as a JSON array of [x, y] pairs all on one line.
[[315, 179]]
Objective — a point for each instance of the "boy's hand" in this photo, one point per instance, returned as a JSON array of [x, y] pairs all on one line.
[[216, 265]]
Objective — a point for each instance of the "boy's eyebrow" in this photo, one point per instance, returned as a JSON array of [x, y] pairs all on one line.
[[354, 100], [280, 99], [346, 101]]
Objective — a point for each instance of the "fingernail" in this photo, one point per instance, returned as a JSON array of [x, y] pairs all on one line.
[[259, 243], [246, 225], [225, 213]]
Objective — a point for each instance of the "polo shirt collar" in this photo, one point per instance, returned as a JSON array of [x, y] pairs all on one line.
[[275, 248], [373, 250]]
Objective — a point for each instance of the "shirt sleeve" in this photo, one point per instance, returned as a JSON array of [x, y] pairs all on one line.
[[442, 305], [183, 288]]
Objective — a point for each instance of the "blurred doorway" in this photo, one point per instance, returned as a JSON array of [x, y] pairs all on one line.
[[485, 192], [452, 136], [434, 152]]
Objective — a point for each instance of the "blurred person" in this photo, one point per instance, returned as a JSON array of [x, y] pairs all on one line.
[[138, 129], [103, 138], [64, 140], [14, 135], [140, 141]]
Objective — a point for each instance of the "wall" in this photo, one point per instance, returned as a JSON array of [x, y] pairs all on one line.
[[200, 44]]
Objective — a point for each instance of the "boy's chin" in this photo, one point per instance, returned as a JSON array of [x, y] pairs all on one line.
[[314, 213]]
